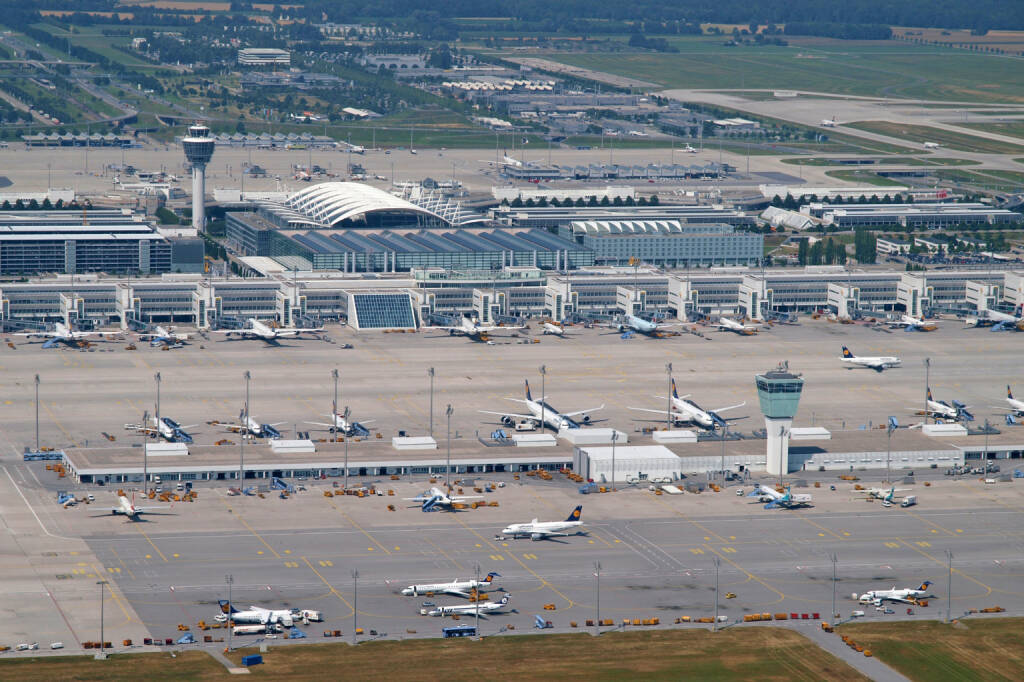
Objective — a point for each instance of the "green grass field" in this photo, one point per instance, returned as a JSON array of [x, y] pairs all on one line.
[[1011, 128], [918, 133], [999, 181], [865, 177], [982, 650], [871, 68], [152, 667]]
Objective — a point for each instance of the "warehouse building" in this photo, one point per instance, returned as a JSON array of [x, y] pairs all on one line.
[[916, 216]]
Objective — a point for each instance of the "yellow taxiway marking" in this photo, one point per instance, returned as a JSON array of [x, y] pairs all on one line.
[[57, 422], [746, 572], [530, 556], [116, 596], [251, 530], [329, 585], [123, 564], [259, 551], [696, 550], [443, 553], [151, 544], [942, 562], [291, 564], [360, 529], [326, 563], [892, 545], [176, 555], [287, 551]]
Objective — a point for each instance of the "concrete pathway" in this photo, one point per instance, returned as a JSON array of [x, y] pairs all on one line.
[[870, 666]]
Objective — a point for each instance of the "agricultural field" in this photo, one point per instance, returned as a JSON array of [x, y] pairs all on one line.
[[867, 68], [971, 650], [918, 133]]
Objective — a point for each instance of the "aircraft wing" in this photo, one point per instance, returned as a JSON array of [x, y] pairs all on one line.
[[678, 416], [510, 414], [146, 510], [100, 333], [730, 407], [330, 426], [591, 409], [298, 330]]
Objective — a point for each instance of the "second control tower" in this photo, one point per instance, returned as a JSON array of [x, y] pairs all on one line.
[[198, 146], [779, 392]]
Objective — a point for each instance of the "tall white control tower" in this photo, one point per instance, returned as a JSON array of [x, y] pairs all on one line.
[[198, 148], [779, 392]]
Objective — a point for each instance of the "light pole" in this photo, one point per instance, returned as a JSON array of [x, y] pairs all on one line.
[[543, 377], [725, 436], [430, 373], [615, 437], [984, 461], [145, 458], [37, 413], [157, 377], [668, 401], [888, 452], [103, 643], [355, 602], [229, 579], [949, 582], [834, 557], [448, 459], [476, 626], [244, 431], [346, 449], [714, 627], [927, 389], [597, 593], [334, 406]]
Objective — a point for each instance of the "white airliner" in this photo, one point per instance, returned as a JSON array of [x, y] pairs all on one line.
[[541, 530], [729, 325], [63, 334], [777, 500], [907, 595], [915, 324], [1007, 320], [884, 494], [250, 426], [876, 363], [940, 408], [684, 410], [128, 508], [1016, 404], [689, 150], [340, 423], [164, 336], [458, 588], [259, 616], [482, 608], [553, 329], [471, 328], [436, 499], [264, 332], [166, 428], [540, 411], [645, 327]]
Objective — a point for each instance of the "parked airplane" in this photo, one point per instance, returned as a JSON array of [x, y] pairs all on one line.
[[166, 428], [884, 494], [914, 324], [340, 423], [646, 327], [128, 508], [482, 608], [689, 150], [778, 500], [541, 411], [907, 595], [1005, 321], [542, 530], [264, 332], [458, 588], [250, 426], [554, 329], [685, 410], [259, 616], [940, 408], [164, 336], [471, 328], [728, 325], [876, 363], [63, 334], [436, 499], [1016, 404]]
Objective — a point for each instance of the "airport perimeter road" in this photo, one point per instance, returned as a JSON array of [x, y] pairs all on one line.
[[656, 553]]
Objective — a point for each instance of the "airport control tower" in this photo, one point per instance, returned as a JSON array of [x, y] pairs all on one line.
[[779, 392], [198, 150]]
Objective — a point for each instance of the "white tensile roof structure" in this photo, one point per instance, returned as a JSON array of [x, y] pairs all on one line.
[[330, 203]]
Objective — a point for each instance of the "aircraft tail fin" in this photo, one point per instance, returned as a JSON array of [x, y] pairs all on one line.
[[491, 576], [675, 393], [226, 606], [929, 393], [528, 396], [576, 514], [846, 353], [1009, 393], [925, 584]]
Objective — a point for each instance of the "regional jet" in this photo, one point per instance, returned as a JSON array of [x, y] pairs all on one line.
[[777, 500], [64, 334], [543, 414], [553, 329], [639, 325], [164, 336], [1016, 404], [907, 596], [128, 508], [481, 608], [940, 408], [340, 423], [165, 428], [264, 332], [260, 616], [250, 426], [685, 410], [542, 530], [436, 499], [471, 328], [728, 325], [884, 494], [458, 588], [914, 324], [876, 363]]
